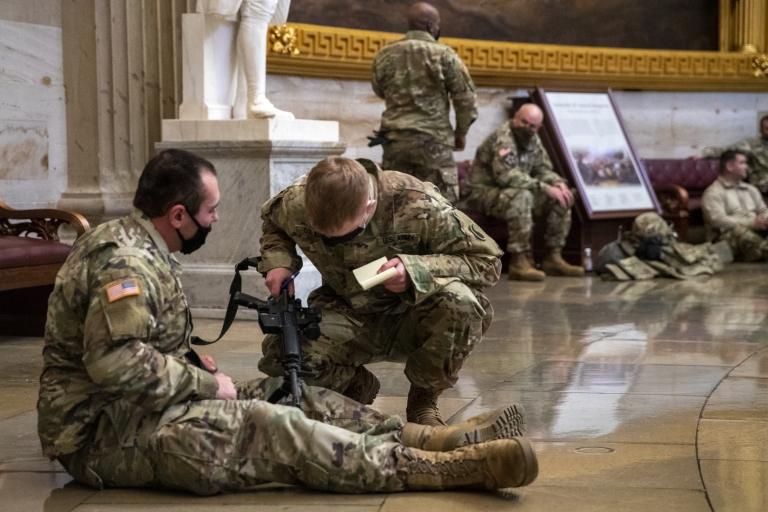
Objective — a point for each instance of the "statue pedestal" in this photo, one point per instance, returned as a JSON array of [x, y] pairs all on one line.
[[254, 159]]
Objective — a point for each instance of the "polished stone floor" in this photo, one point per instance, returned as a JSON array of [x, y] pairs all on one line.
[[640, 396]]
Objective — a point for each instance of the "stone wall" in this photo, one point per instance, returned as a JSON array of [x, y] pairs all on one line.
[[33, 153], [659, 124]]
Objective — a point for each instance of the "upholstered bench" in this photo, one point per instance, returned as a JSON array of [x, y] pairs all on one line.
[[495, 227], [679, 185], [31, 254]]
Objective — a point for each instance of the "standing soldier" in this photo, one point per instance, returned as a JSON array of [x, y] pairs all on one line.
[[512, 178], [417, 77]]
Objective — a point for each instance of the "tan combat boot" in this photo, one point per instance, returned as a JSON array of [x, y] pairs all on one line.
[[492, 465], [422, 407], [363, 387], [555, 265], [503, 423], [520, 268]]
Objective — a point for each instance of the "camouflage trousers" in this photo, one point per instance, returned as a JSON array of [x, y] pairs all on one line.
[[519, 207], [433, 338], [425, 158], [746, 244], [210, 446]]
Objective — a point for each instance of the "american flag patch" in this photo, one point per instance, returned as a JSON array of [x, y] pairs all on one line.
[[121, 289]]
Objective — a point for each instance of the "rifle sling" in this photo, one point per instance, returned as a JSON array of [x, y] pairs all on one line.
[[234, 288]]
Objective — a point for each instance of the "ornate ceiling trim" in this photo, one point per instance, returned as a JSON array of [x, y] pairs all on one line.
[[333, 52]]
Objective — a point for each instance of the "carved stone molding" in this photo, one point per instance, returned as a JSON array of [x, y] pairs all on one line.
[[347, 53]]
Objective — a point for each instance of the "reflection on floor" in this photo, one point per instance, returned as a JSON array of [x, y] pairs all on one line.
[[639, 396]]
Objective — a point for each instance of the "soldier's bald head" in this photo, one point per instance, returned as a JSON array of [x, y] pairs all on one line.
[[530, 111], [423, 16]]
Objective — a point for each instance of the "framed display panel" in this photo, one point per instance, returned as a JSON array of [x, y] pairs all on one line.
[[589, 143]]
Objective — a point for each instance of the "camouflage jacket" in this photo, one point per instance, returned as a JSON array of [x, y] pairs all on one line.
[[501, 163], [437, 243], [727, 206], [756, 150], [117, 331], [417, 76]]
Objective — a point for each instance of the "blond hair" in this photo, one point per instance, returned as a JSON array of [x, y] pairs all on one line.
[[336, 192]]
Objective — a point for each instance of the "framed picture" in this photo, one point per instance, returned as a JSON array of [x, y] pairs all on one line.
[[588, 141]]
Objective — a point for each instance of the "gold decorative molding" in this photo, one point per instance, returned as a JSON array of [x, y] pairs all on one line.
[[333, 52], [282, 40], [760, 65]]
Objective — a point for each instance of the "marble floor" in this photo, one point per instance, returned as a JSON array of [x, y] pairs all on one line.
[[639, 396]]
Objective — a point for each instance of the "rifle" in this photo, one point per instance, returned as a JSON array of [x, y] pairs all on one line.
[[282, 315]]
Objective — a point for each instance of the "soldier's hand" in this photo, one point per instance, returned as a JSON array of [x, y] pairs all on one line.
[[209, 363], [459, 142], [400, 282], [566, 191], [275, 278], [760, 223], [227, 389], [557, 194]]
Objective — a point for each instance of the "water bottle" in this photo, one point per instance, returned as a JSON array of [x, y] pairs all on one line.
[[587, 259]]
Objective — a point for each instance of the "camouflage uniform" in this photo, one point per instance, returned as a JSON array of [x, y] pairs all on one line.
[[756, 149], [417, 77], [432, 326], [729, 212], [121, 405], [651, 249], [508, 182]]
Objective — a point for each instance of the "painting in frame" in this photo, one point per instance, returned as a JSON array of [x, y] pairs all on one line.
[[588, 137]]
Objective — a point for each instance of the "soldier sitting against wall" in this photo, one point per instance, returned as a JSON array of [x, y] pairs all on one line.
[[735, 211], [512, 178], [756, 151]]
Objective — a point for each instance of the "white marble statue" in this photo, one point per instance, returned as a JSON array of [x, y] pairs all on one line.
[[255, 17]]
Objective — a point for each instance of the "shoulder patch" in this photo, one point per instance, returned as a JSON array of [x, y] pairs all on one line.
[[121, 289]]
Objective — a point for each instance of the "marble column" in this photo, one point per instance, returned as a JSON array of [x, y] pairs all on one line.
[[254, 160], [122, 78]]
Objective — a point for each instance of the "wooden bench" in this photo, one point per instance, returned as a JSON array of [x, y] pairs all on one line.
[[31, 253]]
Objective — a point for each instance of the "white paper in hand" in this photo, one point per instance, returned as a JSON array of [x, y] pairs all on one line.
[[367, 276]]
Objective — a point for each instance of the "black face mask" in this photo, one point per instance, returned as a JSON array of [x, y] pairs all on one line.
[[522, 135], [330, 241], [198, 239]]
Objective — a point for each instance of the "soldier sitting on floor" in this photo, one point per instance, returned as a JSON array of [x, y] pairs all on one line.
[[125, 403]]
